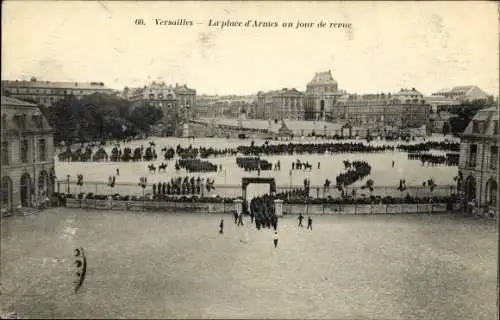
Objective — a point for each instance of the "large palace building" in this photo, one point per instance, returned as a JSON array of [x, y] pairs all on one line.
[[47, 93], [478, 165], [27, 166], [321, 95]]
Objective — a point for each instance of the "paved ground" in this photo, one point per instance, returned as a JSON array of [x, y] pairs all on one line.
[[160, 266]]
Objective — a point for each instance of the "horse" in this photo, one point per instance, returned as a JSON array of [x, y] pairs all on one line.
[[162, 166], [152, 168], [152, 144], [307, 165], [164, 149], [347, 164]]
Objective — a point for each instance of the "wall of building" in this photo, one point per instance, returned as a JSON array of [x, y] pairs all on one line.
[[34, 166]]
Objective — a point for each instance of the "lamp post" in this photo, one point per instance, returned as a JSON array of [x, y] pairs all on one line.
[[143, 182], [67, 185]]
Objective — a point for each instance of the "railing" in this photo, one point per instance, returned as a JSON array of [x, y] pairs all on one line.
[[147, 205], [288, 209], [233, 191]]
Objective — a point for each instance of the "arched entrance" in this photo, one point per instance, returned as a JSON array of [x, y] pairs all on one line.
[[322, 109], [43, 183], [7, 193], [25, 190], [491, 192], [470, 188], [246, 181]]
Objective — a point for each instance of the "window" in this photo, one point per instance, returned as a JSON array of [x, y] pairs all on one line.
[[4, 121], [471, 161], [475, 126], [495, 126], [24, 151], [42, 150], [494, 157], [20, 119], [5, 153], [38, 121]]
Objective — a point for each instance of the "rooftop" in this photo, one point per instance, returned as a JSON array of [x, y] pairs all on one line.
[[322, 78], [57, 85], [7, 101], [486, 117]]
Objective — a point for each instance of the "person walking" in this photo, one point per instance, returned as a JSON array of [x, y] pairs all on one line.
[[275, 239], [300, 218], [240, 219], [309, 223], [221, 226], [235, 217]]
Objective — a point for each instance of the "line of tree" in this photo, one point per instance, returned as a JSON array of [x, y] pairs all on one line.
[[96, 116], [463, 114]]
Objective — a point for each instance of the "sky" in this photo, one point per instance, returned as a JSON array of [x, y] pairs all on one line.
[[388, 46]]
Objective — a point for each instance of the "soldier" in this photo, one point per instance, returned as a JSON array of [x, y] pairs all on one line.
[[275, 239], [300, 218], [221, 226], [309, 223]]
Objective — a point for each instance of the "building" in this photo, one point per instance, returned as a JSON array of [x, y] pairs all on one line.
[[177, 103], [463, 94], [438, 103], [410, 105], [285, 104], [320, 96], [46, 93], [225, 106], [403, 109], [478, 164], [27, 164], [367, 109]]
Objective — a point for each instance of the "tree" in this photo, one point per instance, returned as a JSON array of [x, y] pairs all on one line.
[[98, 115]]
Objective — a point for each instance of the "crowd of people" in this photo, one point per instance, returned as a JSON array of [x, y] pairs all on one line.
[[450, 159], [253, 164], [195, 165], [262, 210], [183, 186], [356, 170], [190, 152]]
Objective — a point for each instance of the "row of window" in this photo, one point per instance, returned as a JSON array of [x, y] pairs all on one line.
[[24, 151], [44, 91], [472, 157], [21, 121]]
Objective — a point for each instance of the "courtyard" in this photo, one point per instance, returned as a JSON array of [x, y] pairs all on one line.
[[228, 181], [158, 265]]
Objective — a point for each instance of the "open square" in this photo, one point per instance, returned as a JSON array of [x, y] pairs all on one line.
[[157, 265]]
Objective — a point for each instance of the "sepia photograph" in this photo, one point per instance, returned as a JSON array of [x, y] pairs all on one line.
[[249, 160]]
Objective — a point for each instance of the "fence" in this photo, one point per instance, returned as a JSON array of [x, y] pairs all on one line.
[[288, 209], [233, 191], [139, 205]]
